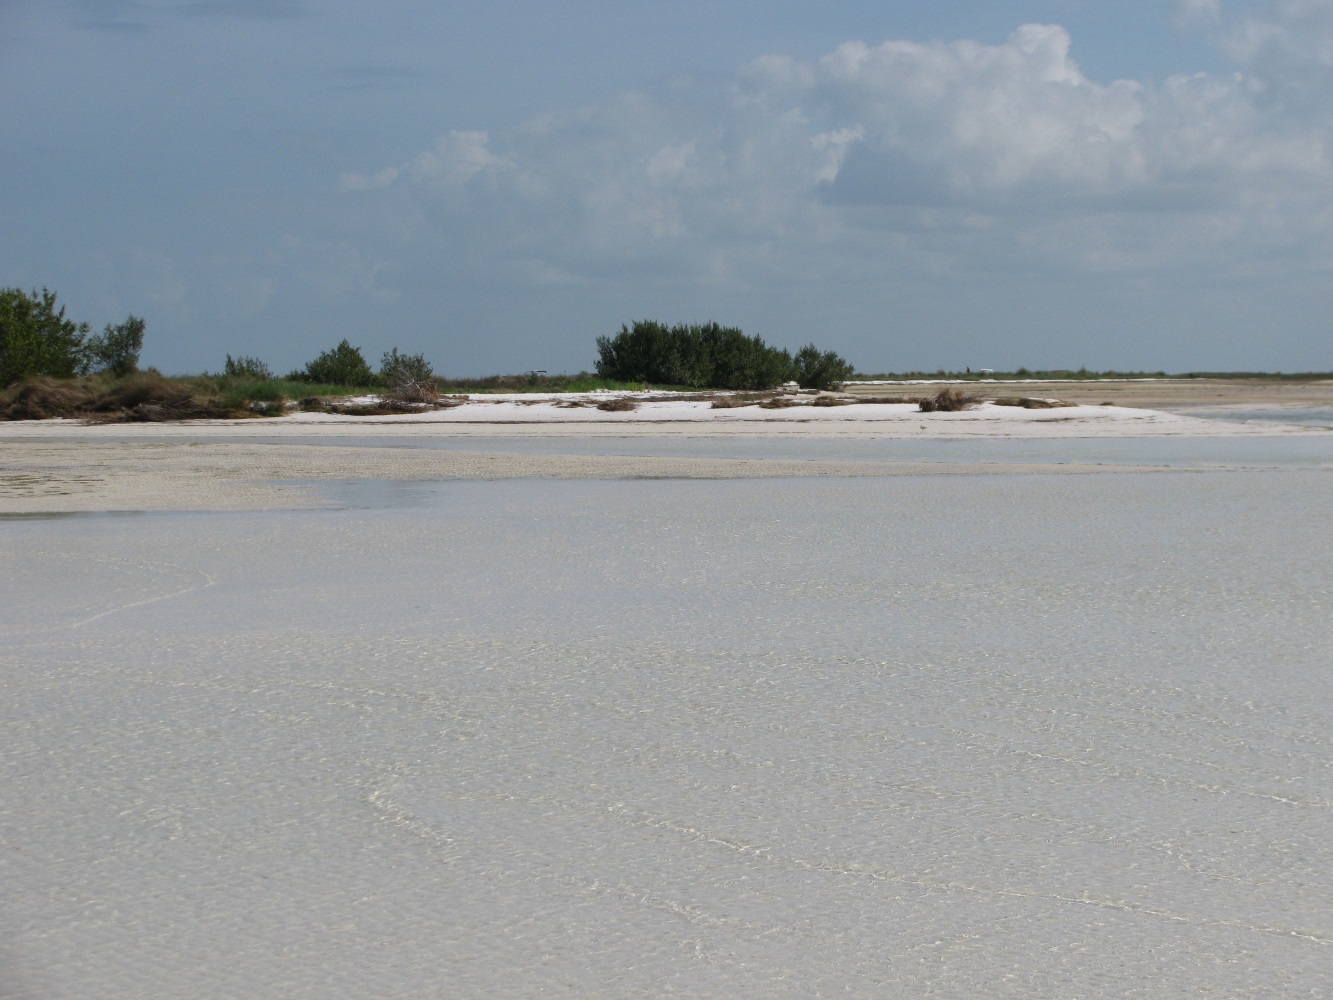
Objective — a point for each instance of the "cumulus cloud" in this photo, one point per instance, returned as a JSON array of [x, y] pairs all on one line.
[[958, 153]]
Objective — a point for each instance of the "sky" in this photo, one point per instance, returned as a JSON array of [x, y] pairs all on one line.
[[1139, 185]]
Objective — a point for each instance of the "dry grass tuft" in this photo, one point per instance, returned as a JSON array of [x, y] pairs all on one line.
[[149, 398], [1032, 402], [383, 408], [886, 400], [948, 400], [779, 403], [44, 398], [620, 405], [403, 388], [731, 402], [830, 401]]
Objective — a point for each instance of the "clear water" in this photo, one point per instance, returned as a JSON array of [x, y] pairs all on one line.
[[1313, 416], [1000, 736]]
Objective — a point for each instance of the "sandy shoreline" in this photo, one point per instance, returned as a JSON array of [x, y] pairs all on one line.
[[62, 466]]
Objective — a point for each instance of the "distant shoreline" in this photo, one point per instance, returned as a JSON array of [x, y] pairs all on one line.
[[1147, 393]]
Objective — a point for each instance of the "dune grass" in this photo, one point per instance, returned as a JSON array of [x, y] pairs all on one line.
[[948, 400]]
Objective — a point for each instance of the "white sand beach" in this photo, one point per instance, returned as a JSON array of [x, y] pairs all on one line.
[[554, 413]]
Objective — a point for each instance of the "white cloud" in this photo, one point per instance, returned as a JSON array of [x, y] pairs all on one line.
[[456, 159], [949, 155]]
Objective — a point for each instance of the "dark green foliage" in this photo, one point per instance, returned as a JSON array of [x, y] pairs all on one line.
[[116, 349], [344, 365], [699, 356], [398, 367], [820, 370], [247, 367], [37, 339]]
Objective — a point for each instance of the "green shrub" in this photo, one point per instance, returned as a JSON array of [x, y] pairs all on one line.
[[411, 366], [116, 349], [816, 370], [344, 365], [247, 367]]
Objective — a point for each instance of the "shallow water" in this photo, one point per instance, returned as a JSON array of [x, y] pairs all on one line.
[[1010, 736], [1311, 416]]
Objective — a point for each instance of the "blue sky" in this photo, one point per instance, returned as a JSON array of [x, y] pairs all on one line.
[[1052, 184]]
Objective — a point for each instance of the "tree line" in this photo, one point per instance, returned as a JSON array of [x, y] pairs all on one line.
[[36, 338]]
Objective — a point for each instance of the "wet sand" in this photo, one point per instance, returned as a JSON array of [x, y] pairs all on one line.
[[81, 476]]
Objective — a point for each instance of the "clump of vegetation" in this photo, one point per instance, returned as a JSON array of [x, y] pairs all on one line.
[[948, 400], [148, 397], [779, 403], [820, 370], [709, 356], [379, 408], [116, 349], [618, 405], [247, 368], [408, 378], [44, 398], [343, 365], [830, 401], [397, 365]]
